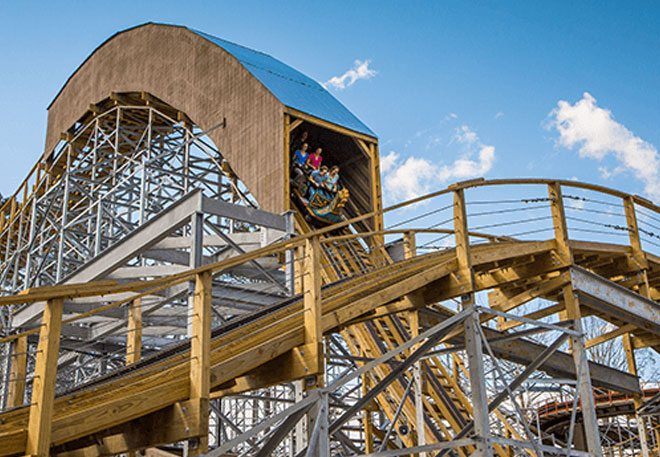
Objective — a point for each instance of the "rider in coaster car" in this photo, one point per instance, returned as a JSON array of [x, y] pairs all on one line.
[[314, 160], [318, 177], [300, 156], [332, 179]]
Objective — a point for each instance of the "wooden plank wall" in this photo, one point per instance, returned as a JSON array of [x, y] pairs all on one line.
[[197, 77]]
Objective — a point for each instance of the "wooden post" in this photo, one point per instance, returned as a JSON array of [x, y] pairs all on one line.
[[367, 422], [200, 353], [559, 222], [312, 300], [473, 345], [43, 386], [134, 335], [376, 193], [18, 373], [639, 257], [287, 159], [134, 339], [572, 310]]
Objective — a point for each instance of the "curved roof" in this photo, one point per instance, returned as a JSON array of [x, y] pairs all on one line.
[[290, 86]]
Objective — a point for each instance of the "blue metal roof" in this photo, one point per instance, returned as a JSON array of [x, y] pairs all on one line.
[[291, 87]]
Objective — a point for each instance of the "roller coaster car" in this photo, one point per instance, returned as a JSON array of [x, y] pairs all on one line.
[[321, 206]]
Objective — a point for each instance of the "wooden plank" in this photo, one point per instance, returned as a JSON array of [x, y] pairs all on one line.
[[43, 386]]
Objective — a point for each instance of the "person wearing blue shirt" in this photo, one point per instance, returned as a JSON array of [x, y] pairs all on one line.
[[299, 160], [319, 176], [300, 156]]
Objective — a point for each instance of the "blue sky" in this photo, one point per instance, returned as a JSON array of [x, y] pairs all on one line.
[[452, 79]]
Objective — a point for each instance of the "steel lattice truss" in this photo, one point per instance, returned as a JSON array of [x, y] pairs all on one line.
[[113, 175]]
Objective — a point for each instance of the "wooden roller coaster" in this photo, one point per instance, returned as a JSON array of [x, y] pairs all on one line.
[[166, 295]]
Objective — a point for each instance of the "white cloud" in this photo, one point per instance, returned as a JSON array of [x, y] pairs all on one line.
[[359, 71], [465, 135], [416, 176], [499, 114], [466, 168], [387, 162], [410, 179], [597, 135]]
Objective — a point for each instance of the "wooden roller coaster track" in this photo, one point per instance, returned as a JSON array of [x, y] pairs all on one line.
[[376, 302]]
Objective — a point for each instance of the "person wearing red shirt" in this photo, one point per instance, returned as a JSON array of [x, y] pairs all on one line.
[[314, 160]]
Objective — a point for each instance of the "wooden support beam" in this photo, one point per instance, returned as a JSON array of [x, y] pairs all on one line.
[[501, 302], [295, 124], [367, 421], [376, 192], [290, 366], [559, 222], [200, 353], [313, 318], [633, 233], [18, 372], [545, 312], [134, 332], [287, 159], [600, 339], [43, 386]]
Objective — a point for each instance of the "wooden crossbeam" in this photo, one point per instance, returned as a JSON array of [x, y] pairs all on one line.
[[541, 313], [600, 339]]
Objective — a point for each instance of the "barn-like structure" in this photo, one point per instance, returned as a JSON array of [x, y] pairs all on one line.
[[176, 282]]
